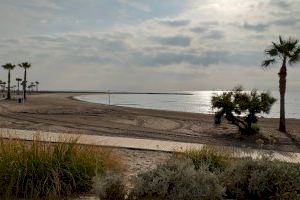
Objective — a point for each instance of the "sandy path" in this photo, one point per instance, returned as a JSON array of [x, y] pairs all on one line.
[[57, 112]]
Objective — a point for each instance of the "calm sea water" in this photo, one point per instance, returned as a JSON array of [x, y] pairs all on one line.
[[195, 102]]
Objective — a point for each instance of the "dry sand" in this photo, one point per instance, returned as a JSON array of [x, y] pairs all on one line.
[[58, 112]]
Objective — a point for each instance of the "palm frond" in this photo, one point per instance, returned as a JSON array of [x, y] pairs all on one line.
[[267, 63], [272, 52], [24, 65], [295, 57], [8, 66], [280, 48], [291, 44], [281, 40]]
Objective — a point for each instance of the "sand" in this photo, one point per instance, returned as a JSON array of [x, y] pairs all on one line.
[[58, 112]]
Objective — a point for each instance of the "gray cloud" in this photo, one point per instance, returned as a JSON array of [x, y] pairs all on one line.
[[175, 23], [260, 27], [204, 26], [281, 3], [198, 29], [182, 41], [286, 21], [205, 59], [136, 4], [151, 42], [216, 35]]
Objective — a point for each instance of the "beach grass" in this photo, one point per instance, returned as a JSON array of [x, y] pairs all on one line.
[[215, 159], [34, 170]]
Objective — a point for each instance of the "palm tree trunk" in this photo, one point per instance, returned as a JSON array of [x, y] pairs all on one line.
[[18, 88], [24, 85], [282, 88], [8, 86]]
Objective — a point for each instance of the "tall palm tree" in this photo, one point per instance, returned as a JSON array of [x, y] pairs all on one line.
[[3, 86], [37, 86], [31, 87], [18, 80], [25, 66], [14, 88], [8, 67], [287, 51]]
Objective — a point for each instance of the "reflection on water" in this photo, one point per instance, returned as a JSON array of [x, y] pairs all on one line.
[[197, 102]]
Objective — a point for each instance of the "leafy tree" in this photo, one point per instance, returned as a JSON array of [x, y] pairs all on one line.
[[8, 67], [25, 66], [286, 51], [240, 108]]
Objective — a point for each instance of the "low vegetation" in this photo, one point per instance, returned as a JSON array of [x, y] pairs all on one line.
[[177, 179], [110, 186], [34, 170], [240, 108], [207, 174], [215, 160], [262, 179]]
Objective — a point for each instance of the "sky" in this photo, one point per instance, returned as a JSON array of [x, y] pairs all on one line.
[[147, 45]]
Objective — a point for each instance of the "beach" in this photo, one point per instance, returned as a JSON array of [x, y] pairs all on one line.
[[60, 112]]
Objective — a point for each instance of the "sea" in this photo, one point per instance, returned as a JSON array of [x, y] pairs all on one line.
[[186, 101]]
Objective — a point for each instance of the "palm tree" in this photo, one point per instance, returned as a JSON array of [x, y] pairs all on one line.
[[14, 88], [3, 86], [23, 84], [286, 51], [25, 66], [18, 80], [31, 87], [8, 67], [37, 86]]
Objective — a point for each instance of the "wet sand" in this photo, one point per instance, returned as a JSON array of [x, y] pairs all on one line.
[[58, 112]]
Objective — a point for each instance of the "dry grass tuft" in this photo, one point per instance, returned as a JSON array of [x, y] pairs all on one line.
[[49, 170]]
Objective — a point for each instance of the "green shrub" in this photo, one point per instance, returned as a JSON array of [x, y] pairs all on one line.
[[262, 179], [34, 170], [110, 186], [177, 179], [215, 160], [240, 108]]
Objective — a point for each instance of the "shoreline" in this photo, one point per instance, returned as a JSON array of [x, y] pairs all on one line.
[[60, 112], [154, 109], [115, 92]]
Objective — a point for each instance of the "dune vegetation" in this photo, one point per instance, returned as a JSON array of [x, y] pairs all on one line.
[[206, 174], [34, 170]]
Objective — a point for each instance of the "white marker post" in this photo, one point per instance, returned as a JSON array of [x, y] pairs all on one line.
[[108, 92]]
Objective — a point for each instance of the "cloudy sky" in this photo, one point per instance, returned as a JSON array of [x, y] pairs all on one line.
[[147, 45]]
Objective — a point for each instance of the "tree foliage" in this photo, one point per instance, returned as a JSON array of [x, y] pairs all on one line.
[[285, 49], [240, 108]]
